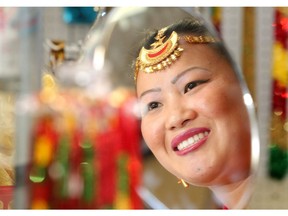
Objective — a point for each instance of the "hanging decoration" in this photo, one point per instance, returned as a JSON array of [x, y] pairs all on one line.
[[7, 130], [85, 151], [216, 15], [79, 15], [248, 48], [278, 160]]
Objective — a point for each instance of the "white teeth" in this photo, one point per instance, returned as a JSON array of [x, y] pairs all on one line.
[[190, 141], [201, 135]]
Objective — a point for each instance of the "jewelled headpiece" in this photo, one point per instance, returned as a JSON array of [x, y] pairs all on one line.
[[163, 54]]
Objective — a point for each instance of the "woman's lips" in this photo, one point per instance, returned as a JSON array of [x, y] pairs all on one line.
[[190, 140]]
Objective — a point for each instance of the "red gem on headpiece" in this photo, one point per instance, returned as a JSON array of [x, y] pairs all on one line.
[[153, 55]]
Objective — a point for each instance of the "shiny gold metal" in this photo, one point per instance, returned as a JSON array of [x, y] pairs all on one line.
[[163, 54], [181, 181]]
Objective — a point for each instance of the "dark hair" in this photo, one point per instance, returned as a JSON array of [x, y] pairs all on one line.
[[190, 26]]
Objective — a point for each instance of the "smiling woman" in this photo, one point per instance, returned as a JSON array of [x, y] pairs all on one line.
[[194, 119], [197, 115]]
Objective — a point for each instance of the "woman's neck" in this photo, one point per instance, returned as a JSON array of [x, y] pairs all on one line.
[[234, 195]]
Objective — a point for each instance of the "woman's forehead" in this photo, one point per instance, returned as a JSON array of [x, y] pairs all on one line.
[[201, 57], [193, 55]]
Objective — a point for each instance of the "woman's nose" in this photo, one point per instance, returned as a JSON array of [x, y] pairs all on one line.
[[178, 115]]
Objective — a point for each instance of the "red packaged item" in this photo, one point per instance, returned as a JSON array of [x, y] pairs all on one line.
[[6, 197]]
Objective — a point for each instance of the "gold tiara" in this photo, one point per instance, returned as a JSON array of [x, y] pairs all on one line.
[[163, 54]]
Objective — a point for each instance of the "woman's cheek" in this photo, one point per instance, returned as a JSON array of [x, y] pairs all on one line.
[[218, 102], [212, 106], [152, 133]]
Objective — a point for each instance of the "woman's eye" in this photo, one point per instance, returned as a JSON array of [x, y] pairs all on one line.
[[193, 84], [153, 105], [145, 108]]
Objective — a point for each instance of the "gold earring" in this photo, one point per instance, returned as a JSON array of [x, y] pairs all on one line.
[[181, 181]]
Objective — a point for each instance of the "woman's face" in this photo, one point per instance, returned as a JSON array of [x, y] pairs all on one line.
[[194, 119]]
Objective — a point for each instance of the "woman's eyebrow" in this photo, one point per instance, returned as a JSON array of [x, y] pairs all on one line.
[[176, 78], [149, 91]]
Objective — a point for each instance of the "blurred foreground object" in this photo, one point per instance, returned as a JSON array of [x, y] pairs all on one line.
[[85, 150], [278, 157], [20, 33]]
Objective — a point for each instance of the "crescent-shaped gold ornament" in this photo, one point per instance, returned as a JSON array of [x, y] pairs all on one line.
[[163, 54], [158, 54]]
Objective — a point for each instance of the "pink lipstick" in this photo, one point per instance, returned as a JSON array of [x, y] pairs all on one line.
[[190, 140]]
